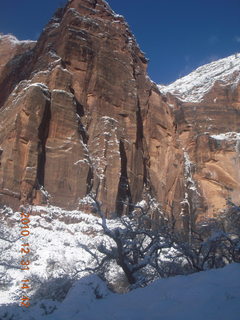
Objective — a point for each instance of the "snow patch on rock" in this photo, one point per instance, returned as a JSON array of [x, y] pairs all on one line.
[[230, 136], [193, 87], [14, 41]]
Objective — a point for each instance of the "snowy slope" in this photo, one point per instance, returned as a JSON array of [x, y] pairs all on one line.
[[55, 252], [209, 295], [54, 242], [194, 86]]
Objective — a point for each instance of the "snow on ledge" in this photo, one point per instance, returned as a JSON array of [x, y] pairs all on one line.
[[230, 136], [12, 39]]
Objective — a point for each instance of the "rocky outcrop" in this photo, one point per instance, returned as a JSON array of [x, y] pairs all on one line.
[[82, 115], [14, 54], [207, 110], [11, 48]]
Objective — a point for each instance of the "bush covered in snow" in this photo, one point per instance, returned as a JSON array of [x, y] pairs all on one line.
[[144, 253]]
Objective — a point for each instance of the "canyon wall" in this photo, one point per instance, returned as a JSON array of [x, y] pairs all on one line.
[[80, 114]]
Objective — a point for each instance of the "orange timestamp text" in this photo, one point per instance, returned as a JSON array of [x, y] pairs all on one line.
[[25, 260]]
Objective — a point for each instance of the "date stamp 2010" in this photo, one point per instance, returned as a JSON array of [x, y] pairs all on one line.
[[25, 260]]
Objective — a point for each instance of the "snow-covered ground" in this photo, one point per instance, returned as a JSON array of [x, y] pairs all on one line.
[[54, 243], [195, 85], [209, 295], [56, 254]]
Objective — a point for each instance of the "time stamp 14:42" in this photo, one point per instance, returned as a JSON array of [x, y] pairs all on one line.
[[25, 262]]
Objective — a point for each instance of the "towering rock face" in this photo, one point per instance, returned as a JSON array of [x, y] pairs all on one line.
[[207, 110], [82, 115], [79, 114]]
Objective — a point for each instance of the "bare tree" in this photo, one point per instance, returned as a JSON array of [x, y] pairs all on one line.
[[214, 242], [134, 245], [145, 252]]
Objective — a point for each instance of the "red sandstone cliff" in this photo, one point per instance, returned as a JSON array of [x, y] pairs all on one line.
[[207, 109], [79, 114]]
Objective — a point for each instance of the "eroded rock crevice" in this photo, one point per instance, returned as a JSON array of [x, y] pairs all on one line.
[[81, 129], [43, 132], [124, 198]]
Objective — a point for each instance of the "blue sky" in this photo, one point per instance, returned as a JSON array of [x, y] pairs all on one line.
[[176, 35]]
